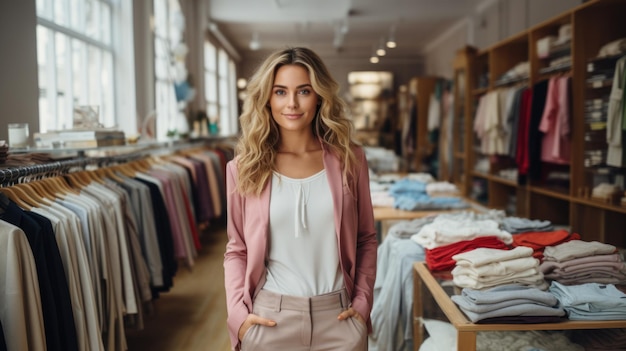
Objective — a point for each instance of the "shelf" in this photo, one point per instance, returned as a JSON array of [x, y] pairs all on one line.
[[503, 181], [594, 24], [558, 193], [554, 72], [114, 150], [480, 91], [598, 204], [510, 82], [459, 155], [481, 175]]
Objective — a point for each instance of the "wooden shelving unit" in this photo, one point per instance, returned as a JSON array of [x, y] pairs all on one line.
[[462, 92], [565, 201], [420, 90]]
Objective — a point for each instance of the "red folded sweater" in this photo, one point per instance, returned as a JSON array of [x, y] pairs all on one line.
[[440, 258], [539, 240]]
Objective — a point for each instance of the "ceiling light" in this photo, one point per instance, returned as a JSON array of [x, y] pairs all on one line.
[[381, 49], [374, 58], [242, 83], [391, 41], [255, 44]]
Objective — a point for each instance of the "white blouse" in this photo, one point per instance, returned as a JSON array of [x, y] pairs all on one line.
[[303, 256]]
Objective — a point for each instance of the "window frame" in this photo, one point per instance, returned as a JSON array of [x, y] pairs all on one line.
[[118, 99]]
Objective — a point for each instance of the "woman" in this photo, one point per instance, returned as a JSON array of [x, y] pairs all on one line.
[[300, 262]]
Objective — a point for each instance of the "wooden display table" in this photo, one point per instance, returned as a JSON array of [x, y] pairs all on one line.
[[390, 213], [466, 330], [385, 217]]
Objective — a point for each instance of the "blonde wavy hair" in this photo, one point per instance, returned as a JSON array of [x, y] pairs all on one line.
[[257, 148]]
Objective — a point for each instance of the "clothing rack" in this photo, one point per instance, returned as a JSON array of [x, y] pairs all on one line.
[[11, 175]]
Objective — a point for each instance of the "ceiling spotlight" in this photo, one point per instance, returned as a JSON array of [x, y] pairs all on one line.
[[255, 44], [242, 83], [381, 49], [391, 41], [374, 59]]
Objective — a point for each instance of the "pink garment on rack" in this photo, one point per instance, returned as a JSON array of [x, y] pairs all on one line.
[[555, 122]]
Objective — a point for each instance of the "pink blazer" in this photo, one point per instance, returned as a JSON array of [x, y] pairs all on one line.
[[248, 225]]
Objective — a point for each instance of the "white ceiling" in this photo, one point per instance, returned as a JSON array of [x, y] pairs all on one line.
[[314, 23]]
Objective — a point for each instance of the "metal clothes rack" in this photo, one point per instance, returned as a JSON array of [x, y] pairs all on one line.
[[12, 175]]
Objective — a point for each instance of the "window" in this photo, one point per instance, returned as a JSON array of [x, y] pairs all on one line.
[[76, 55], [210, 81], [169, 23], [220, 77], [233, 115], [224, 89]]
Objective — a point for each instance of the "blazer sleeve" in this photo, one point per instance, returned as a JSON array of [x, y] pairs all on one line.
[[367, 243], [235, 257]]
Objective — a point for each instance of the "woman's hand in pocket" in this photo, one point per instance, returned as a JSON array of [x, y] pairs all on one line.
[[351, 313], [251, 320]]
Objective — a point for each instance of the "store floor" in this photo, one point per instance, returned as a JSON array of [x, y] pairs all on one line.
[[192, 315]]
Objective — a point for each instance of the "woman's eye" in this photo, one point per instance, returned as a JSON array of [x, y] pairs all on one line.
[[279, 92], [305, 91]]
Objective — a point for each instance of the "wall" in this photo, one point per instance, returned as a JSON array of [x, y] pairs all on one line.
[[493, 21], [18, 67], [19, 90], [440, 52], [402, 70]]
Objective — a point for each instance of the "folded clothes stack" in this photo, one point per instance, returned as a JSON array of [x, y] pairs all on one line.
[[510, 303], [579, 262]]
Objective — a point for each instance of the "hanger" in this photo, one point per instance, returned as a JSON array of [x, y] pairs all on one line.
[[77, 180], [46, 189], [40, 190], [57, 186], [9, 193], [25, 197], [4, 203], [30, 195], [107, 172], [125, 169], [62, 184]]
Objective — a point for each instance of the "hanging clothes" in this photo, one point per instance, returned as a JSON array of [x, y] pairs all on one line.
[[95, 246], [616, 124], [555, 122], [20, 302]]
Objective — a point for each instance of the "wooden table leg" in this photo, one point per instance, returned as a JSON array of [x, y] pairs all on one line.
[[418, 312], [466, 341]]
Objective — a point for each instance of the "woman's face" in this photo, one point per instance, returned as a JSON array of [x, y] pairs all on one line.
[[293, 102]]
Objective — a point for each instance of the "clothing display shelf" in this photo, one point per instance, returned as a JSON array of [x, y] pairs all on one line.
[[530, 186], [426, 282], [416, 145], [463, 82]]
